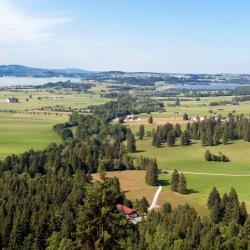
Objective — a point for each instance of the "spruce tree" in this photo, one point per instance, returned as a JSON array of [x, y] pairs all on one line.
[[185, 117], [243, 213], [215, 213], [208, 155], [214, 197], [171, 139], [150, 119], [141, 132], [131, 142], [182, 184], [174, 181]]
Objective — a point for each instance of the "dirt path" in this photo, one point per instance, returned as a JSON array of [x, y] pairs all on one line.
[[153, 204], [213, 174]]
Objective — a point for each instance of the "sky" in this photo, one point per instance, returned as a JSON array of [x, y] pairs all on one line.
[[180, 36]]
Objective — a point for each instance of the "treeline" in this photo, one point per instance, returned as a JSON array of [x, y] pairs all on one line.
[[241, 98], [213, 131], [182, 228], [168, 133], [126, 105], [62, 211], [227, 208], [66, 85], [221, 103]]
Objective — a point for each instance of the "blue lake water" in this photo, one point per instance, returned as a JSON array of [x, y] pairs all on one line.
[[21, 81], [212, 86]]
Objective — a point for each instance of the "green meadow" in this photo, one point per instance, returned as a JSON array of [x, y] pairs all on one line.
[[191, 159], [20, 131]]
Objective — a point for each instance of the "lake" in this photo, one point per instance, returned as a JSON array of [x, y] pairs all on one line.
[[211, 86], [21, 81]]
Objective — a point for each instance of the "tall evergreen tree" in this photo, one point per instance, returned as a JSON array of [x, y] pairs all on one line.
[[131, 142], [214, 197], [141, 132], [150, 119], [174, 181], [182, 184]]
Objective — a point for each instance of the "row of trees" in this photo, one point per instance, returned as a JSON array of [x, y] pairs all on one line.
[[227, 208], [213, 131], [212, 157]]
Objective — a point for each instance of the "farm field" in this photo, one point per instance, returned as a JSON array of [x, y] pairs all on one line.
[[39, 99], [21, 130], [191, 159], [19, 133]]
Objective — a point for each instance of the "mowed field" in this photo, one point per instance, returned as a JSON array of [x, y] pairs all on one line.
[[20, 131]]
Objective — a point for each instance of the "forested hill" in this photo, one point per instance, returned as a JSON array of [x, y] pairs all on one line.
[[133, 78], [19, 70]]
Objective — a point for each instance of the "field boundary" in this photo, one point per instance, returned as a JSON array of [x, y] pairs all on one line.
[[214, 174]]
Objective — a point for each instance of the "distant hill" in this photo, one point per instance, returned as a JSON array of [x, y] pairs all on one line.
[[134, 78], [20, 70]]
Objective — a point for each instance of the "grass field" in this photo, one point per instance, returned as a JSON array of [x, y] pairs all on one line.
[[191, 159], [22, 132]]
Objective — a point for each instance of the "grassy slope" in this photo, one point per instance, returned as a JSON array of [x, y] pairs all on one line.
[[191, 159]]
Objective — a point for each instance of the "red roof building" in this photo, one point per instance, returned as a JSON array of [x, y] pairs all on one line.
[[126, 210], [163, 171]]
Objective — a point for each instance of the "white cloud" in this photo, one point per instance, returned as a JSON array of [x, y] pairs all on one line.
[[17, 26]]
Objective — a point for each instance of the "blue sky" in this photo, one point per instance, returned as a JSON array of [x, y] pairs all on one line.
[[133, 35]]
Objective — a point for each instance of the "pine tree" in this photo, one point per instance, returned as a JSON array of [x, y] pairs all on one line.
[[208, 155], [243, 213], [141, 132], [177, 130], [182, 184], [214, 197], [174, 181], [166, 208], [185, 117], [215, 212], [171, 139], [151, 177], [150, 119], [131, 142]]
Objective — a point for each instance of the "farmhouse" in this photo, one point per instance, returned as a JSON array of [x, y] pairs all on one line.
[[131, 117], [163, 171], [130, 213], [12, 100]]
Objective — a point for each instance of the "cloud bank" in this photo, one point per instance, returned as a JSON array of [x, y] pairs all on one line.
[[17, 26]]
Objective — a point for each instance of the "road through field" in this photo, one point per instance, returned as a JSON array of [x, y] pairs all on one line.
[[153, 204], [213, 174]]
